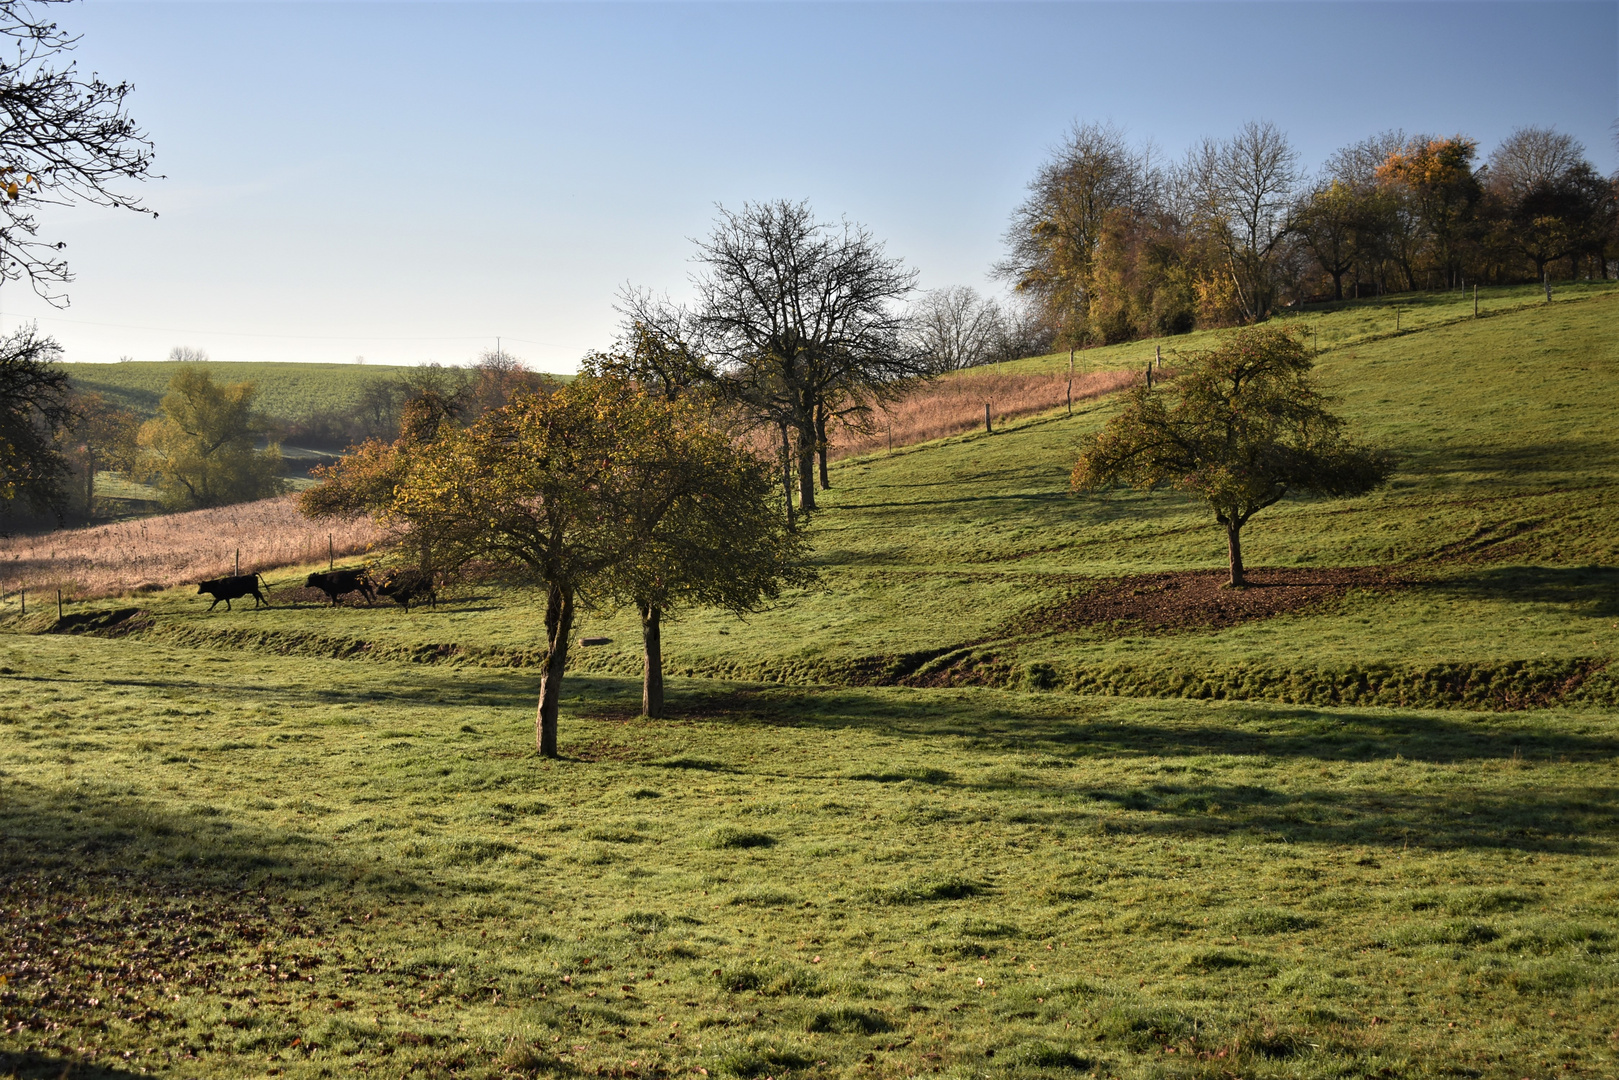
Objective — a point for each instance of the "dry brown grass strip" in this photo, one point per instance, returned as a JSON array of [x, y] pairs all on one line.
[[954, 405], [174, 549]]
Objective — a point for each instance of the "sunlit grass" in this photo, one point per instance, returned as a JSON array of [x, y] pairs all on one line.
[[785, 881]]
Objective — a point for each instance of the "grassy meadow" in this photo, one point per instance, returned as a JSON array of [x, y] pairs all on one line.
[[287, 390], [228, 864], [918, 820]]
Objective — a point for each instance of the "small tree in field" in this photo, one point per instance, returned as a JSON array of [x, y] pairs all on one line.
[[202, 450], [1241, 427], [699, 525]]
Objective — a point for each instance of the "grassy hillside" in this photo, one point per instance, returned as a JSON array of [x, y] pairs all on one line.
[[285, 390], [1337, 325], [221, 864], [309, 842], [1486, 569]]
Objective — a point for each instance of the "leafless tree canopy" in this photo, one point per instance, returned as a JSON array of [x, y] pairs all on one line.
[[1533, 157], [803, 318], [1242, 190], [957, 328], [65, 139]]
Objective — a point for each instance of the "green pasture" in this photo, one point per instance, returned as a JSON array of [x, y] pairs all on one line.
[[287, 390], [304, 841], [1335, 325], [229, 864], [1502, 522]]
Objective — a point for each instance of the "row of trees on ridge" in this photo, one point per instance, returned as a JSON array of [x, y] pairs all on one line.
[[1113, 244]]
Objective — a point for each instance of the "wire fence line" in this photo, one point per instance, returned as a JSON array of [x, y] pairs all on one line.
[[176, 549]]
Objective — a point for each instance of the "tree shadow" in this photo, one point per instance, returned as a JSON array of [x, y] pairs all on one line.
[[1079, 729], [1566, 820], [83, 833], [31, 1065], [1592, 591]]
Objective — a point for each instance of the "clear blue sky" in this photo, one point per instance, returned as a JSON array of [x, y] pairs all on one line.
[[409, 181]]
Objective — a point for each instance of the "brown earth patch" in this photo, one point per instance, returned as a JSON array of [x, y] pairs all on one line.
[[1201, 599]]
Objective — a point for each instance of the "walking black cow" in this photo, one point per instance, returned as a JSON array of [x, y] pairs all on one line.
[[233, 588], [335, 583], [403, 586]]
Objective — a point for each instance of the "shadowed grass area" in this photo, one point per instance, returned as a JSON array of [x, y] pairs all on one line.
[[228, 864]]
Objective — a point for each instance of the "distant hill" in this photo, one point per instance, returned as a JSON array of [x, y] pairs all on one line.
[[291, 391]]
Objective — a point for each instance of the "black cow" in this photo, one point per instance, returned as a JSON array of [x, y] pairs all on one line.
[[233, 588], [335, 583], [403, 586]]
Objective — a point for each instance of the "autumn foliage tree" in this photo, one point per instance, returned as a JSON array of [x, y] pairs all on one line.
[[597, 492], [698, 525], [1242, 426], [1438, 175]]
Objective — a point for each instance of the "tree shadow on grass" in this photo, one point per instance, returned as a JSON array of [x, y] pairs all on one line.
[[84, 833], [1082, 728], [121, 914], [32, 1065], [1559, 818], [1591, 591]]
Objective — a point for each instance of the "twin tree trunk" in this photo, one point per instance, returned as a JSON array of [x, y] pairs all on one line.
[[652, 673], [558, 627]]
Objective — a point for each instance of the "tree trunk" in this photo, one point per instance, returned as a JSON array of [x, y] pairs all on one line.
[[806, 465], [820, 446], [1338, 285], [652, 665], [89, 486], [787, 471], [558, 627], [1233, 536]]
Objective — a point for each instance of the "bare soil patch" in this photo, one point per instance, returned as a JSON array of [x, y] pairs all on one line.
[[1201, 599]]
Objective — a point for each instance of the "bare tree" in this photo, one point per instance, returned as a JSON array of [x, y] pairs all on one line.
[[185, 354], [956, 328], [1532, 157], [1241, 192], [65, 139], [658, 348], [1390, 236], [803, 318], [1054, 232]]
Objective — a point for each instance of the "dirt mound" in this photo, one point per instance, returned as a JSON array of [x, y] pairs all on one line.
[[114, 623], [1200, 599]]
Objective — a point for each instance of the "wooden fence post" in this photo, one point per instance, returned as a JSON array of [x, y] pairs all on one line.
[[329, 560], [238, 562], [58, 605], [987, 428], [1475, 299]]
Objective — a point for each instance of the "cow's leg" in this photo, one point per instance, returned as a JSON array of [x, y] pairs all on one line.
[[212, 605]]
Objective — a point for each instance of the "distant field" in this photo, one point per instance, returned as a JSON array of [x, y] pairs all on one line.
[[171, 549], [291, 391]]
